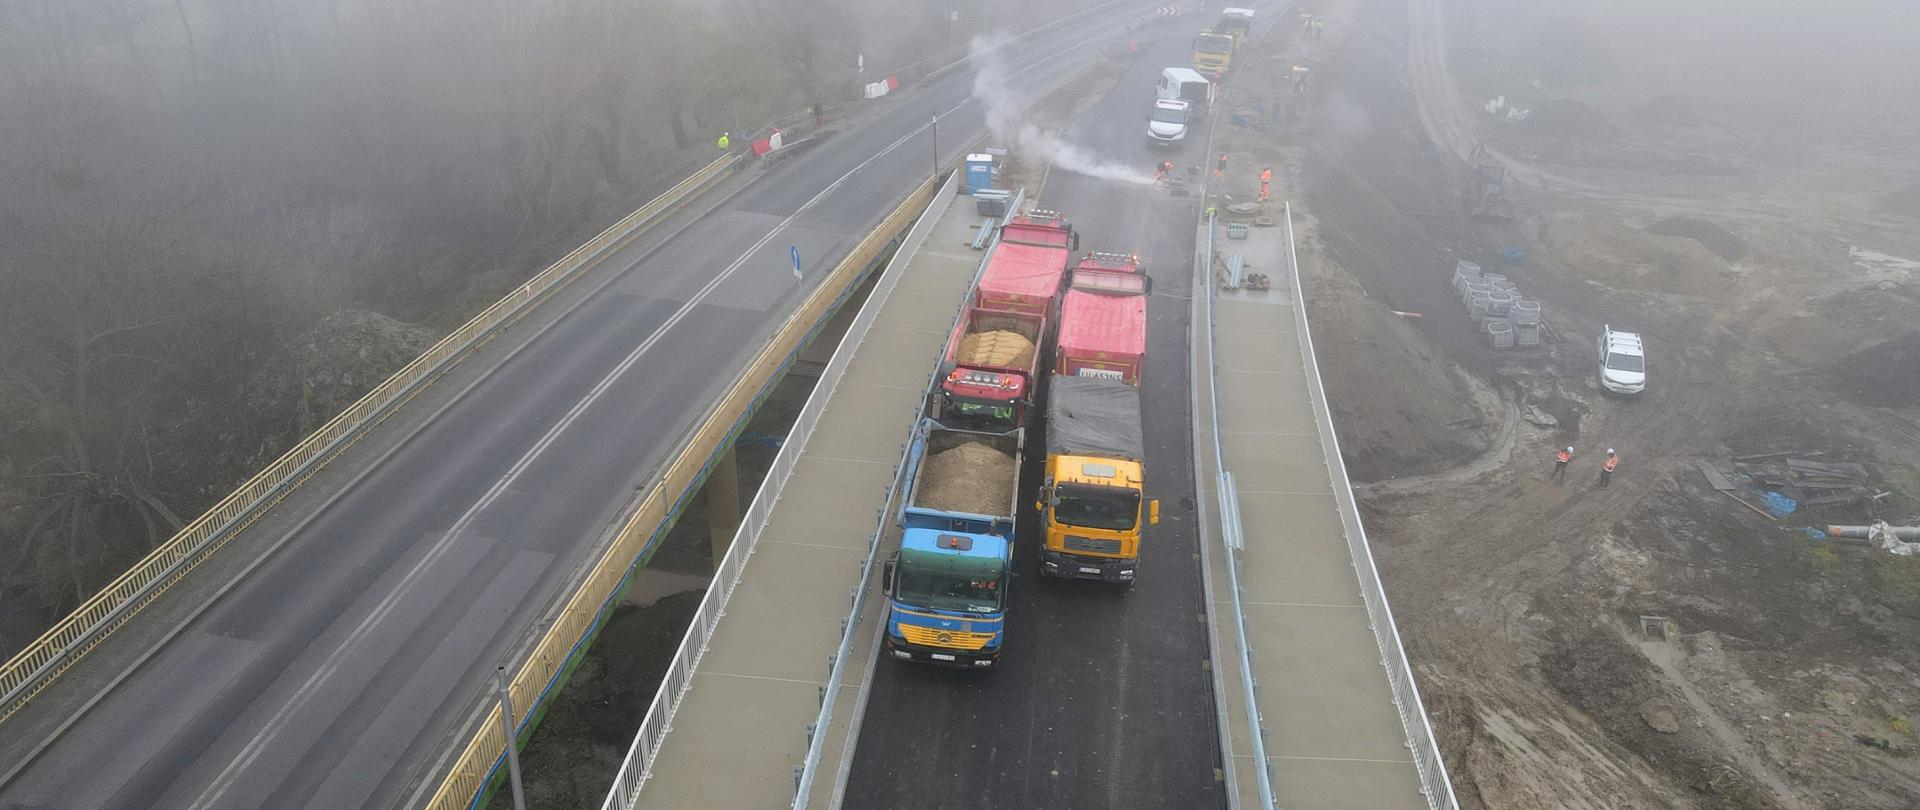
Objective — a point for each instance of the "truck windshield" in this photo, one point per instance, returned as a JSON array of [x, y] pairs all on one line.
[[1626, 362], [1213, 45], [1096, 507], [1167, 116], [944, 591], [978, 414]]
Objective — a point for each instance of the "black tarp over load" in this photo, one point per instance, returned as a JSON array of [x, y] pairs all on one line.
[[1091, 416]]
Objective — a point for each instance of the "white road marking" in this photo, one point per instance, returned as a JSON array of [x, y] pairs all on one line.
[[333, 661]]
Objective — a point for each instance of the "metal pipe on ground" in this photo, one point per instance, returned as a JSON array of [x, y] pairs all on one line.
[[1908, 533]]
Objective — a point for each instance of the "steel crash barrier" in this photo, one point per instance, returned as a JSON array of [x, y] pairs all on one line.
[[42, 661], [1231, 537], [553, 656], [1406, 693]]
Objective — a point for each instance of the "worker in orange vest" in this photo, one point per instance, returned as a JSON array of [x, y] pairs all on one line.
[[1266, 182], [1607, 467], [1220, 168], [1560, 461]]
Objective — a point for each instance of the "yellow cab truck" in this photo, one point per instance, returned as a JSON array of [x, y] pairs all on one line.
[[1214, 49], [1092, 501], [1212, 54]]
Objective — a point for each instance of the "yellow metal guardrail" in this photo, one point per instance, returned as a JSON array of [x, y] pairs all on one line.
[[34, 667], [484, 751]]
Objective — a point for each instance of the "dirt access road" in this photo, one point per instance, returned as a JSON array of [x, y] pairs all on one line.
[[1748, 214]]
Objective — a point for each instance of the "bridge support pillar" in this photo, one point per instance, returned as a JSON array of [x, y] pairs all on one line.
[[723, 503]]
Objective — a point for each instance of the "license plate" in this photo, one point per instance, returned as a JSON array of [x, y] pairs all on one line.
[[940, 656], [1086, 570]]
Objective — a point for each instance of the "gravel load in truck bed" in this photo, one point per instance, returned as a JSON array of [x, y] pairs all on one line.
[[971, 477], [996, 348]]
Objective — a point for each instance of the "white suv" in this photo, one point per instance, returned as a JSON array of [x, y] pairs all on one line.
[[1623, 362]]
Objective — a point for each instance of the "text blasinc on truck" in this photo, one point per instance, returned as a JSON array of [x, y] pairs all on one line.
[[993, 356], [1103, 319], [1092, 501]]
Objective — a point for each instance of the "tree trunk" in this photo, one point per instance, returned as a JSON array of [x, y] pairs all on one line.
[[677, 115]]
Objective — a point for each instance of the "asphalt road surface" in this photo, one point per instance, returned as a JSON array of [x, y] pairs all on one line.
[[342, 665], [1100, 698]]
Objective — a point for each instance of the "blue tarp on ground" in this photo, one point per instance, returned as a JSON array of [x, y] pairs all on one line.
[[1779, 505]]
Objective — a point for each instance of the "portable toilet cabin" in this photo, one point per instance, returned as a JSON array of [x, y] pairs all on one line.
[[979, 172]]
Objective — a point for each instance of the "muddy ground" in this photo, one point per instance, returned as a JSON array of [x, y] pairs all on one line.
[[1747, 207]]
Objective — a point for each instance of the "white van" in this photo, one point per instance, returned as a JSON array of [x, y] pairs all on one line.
[[1167, 124], [1186, 84], [1623, 362]]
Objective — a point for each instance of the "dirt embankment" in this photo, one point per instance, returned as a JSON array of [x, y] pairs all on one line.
[[1362, 189], [1631, 258], [1777, 321]]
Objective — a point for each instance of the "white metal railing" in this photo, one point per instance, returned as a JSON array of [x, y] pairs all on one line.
[[804, 773], [803, 795], [637, 768], [39, 663], [1235, 542], [565, 636], [1406, 693]]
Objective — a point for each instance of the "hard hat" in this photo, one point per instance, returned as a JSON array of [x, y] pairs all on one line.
[[1609, 451], [1569, 448]]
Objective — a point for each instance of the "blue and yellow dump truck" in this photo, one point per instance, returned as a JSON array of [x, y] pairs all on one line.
[[947, 585]]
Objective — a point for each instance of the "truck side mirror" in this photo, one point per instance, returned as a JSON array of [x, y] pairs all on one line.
[[886, 579], [1153, 511]]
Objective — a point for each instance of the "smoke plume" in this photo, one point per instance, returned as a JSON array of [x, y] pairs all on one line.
[[1006, 120]]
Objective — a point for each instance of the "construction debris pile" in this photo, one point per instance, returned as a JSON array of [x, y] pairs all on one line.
[[1788, 482], [1509, 318], [1805, 483]]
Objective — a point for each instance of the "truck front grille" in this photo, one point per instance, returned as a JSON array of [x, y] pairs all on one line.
[[1092, 546], [950, 639]]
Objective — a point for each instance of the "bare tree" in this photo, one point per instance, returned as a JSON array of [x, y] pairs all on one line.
[[797, 37]]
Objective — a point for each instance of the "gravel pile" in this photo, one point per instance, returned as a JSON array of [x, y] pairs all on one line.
[[971, 477], [996, 348]]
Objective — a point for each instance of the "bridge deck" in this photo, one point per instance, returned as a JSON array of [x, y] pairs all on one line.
[[738, 733], [1334, 737]]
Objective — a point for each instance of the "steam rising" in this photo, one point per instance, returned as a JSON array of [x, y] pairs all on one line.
[[1006, 121]]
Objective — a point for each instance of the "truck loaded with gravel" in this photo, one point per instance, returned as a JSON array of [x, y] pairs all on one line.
[[946, 587], [994, 355]]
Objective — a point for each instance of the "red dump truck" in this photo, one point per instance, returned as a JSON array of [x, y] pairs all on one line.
[[993, 357], [1103, 319]]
